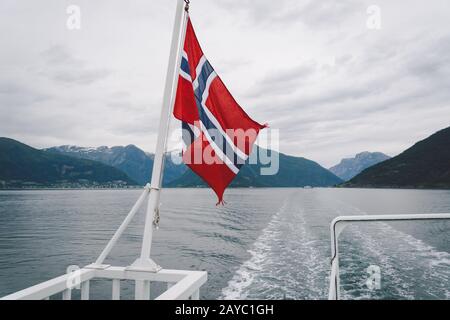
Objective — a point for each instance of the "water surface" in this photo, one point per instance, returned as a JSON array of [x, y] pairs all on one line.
[[264, 244]]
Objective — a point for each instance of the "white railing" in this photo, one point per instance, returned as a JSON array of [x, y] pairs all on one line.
[[339, 224], [181, 285]]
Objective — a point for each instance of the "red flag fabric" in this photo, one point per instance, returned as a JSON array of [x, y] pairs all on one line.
[[217, 133]]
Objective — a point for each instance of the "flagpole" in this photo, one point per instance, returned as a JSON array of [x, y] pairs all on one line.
[[145, 263]]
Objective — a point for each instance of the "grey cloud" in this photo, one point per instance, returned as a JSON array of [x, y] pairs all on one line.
[[103, 85], [333, 96], [432, 67], [61, 66], [291, 74], [58, 55], [283, 81], [145, 125], [13, 94], [432, 61], [84, 77], [327, 13], [324, 13]]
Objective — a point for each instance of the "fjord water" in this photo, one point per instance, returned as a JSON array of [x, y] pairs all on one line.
[[264, 244]]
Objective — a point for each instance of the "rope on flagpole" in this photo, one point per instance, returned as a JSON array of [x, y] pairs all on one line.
[[186, 8], [157, 217]]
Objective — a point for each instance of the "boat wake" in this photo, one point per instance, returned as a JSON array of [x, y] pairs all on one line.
[[285, 261], [290, 259], [246, 274], [410, 268]]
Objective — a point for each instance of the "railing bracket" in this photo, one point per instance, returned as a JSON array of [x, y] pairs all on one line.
[[144, 265]]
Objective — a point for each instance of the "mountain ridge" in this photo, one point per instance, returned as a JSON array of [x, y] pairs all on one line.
[[293, 172], [350, 167], [130, 159], [178, 175], [424, 165], [24, 166]]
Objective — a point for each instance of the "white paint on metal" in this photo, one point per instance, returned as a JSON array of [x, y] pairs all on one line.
[[196, 295], [116, 289], [173, 68], [186, 287], [186, 284], [67, 294], [142, 290], [122, 227], [85, 290], [339, 224], [48, 288]]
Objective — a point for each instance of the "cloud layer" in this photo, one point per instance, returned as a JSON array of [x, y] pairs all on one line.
[[312, 69]]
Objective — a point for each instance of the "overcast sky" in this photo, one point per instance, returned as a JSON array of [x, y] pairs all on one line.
[[312, 69]]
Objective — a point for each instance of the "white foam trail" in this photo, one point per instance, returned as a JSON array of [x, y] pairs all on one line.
[[286, 261], [289, 259], [425, 262], [245, 275], [371, 248], [378, 243]]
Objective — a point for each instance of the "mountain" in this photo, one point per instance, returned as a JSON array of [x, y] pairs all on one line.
[[24, 166], [424, 165], [136, 163], [293, 172], [350, 167]]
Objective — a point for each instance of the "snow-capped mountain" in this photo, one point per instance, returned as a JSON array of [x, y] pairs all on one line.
[[136, 163]]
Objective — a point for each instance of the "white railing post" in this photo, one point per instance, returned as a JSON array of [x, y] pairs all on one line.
[[85, 290], [335, 230], [173, 69], [142, 290], [116, 289], [122, 228], [181, 284], [196, 295], [334, 292], [67, 294]]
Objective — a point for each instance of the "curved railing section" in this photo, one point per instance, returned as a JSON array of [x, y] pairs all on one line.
[[181, 284], [339, 224]]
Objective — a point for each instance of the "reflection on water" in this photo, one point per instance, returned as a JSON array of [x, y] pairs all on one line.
[[264, 244]]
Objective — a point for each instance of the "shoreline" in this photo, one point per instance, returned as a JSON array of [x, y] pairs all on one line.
[[173, 188]]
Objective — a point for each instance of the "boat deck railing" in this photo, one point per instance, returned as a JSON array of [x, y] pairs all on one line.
[[339, 224], [181, 285]]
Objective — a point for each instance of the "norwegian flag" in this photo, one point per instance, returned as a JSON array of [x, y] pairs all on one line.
[[218, 135]]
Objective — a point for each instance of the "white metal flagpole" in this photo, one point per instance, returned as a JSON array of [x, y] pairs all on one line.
[[145, 263]]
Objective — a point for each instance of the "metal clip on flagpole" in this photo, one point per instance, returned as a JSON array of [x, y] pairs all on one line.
[[145, 263]]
